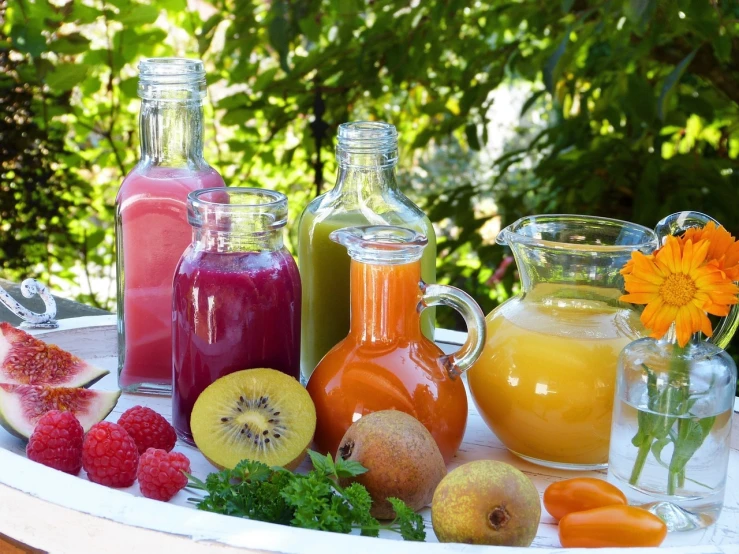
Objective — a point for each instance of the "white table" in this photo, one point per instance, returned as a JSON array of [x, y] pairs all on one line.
[[56, 512]]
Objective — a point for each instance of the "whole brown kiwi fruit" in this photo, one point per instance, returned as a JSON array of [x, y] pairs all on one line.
[[401, 456], [486, 502]]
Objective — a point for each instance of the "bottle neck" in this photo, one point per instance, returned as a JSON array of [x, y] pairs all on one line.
[[384, 302], [172, 133], [222, 242]]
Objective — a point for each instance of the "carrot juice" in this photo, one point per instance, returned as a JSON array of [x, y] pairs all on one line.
[[385, 362]]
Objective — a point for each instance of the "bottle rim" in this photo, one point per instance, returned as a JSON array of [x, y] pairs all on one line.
[[579, 233], [367, 144], [243, 210], [381, 244], [163, 75]]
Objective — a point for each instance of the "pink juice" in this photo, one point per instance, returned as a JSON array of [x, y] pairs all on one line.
[[154, 233], [232, 311]]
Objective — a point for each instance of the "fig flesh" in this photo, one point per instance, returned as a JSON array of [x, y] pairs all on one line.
[[21, 406], [26, 360]]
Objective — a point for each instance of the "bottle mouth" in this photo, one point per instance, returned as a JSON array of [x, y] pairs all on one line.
[[237, 210], [163, 78], [579, 233], [381, 244], [367, 144]]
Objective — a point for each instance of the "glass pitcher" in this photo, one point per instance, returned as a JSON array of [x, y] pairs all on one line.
[[545, 381], [385, 362]]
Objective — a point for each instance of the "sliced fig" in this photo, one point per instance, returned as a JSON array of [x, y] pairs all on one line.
[[21, 406], [26, 360]]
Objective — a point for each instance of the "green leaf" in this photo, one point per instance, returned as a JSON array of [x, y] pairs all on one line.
[[321, 463], [690, 436], [411, 523], [722, 46], [472, 140], [265, 78], [640, 98], [550, 67], [639, 12], [83, 14], [66, 76], [567, 5], [130, 87], [531, 101], [173, 6], [28, 38], [349, 468], [73, 43], [311, 27], [670, 82], [278, 38], [139, 14]]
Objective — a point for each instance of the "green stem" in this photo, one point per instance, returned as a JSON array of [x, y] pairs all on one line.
[[671, 482], [678, 407], [641, 459]]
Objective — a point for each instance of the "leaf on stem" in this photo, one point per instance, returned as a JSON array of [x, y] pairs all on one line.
[[670, 82]]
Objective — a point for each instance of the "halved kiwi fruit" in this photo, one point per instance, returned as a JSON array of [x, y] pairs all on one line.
[[254, 414]]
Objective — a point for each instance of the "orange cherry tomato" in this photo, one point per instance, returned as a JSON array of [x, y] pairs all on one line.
[[614, 526], [579, 494]]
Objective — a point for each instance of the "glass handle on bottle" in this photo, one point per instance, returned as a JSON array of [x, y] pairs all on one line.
[[443, 295], [678, 223]]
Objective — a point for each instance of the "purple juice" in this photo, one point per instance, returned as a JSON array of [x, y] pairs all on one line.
[[231, 311]]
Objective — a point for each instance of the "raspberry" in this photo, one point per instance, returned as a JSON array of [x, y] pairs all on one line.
[[57, 442], [160, 473], [148, 429], [109, 455]]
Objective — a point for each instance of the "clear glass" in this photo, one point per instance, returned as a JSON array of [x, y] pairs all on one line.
[[671, 429], [385, 362], [366, 193], [236, 300], [151, 218], [544, 383]]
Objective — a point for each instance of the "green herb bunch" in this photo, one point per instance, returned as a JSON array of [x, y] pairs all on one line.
[[253, 490]]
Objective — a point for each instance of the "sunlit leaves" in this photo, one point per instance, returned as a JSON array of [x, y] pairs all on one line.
[[66, 76]]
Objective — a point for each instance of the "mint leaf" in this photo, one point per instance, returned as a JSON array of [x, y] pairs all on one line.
[[349, 468], [322, 464]]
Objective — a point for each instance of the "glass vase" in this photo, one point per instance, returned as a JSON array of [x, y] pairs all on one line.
[[671, 430]]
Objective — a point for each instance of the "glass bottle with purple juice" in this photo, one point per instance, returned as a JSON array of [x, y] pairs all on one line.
[[237, 296]]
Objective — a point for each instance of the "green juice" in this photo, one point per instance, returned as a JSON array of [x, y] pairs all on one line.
[[324, 271]]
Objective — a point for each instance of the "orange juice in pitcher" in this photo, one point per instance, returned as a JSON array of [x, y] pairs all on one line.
[[545, 381]]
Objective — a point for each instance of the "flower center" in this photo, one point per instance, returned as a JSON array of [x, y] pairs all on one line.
[[678, 289]]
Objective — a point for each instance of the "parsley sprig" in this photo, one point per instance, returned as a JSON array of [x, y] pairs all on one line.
[[253, 490]]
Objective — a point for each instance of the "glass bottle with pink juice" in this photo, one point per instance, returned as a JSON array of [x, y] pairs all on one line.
[[237, 295], [151, 218]]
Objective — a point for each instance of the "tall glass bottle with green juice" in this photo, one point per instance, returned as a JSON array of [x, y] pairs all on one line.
[[366, 193]]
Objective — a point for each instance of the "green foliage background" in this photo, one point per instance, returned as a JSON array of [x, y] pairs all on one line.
[[637, 104]]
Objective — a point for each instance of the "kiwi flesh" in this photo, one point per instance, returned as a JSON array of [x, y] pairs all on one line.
[[255, 414]]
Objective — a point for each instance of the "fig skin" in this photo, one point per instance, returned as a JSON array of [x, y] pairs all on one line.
[[401, 456], [486, 502]]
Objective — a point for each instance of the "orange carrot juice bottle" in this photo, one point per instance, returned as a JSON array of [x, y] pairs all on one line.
[[385, 362]]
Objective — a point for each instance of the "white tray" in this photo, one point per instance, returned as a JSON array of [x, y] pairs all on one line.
[[52, 511]]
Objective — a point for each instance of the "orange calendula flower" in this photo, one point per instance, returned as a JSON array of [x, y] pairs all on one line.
[[724, 248], [679, 285], [629, 265]]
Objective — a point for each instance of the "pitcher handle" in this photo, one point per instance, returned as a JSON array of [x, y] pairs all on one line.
[[677, 223], [444, 295]]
